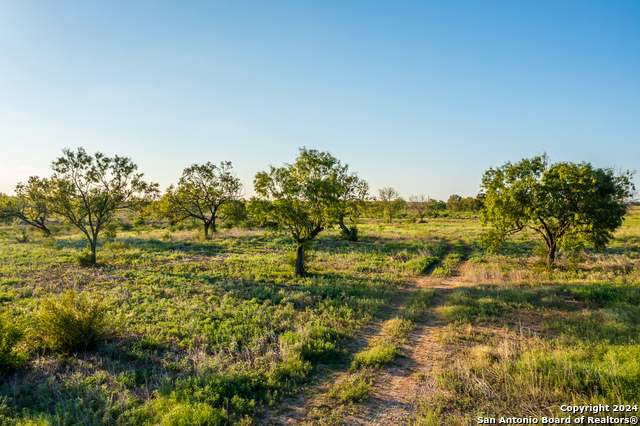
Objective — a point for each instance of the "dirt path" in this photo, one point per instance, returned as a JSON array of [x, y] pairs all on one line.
[[297, 410], [410, 378], [397, 387]]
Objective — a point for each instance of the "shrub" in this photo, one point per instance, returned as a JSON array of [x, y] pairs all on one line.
[[441, 272], [72, 321], [10, 336], [126, 226], [115, 246], [85, 258], [138, 221], [352, 235], [110, 231]]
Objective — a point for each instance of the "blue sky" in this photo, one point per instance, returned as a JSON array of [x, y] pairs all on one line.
[[421, 96]]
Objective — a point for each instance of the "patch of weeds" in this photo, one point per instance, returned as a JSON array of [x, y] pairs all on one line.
[[353, 388], [398, 328], [441, 272], [417, 305], [420, 265], [375, 356], [11, 335]]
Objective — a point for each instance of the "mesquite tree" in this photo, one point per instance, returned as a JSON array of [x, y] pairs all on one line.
[[29, 204], [565, 203], [419, 204], [87, 190], [390, 202], [352, 197], [304, 197], [200, 193]]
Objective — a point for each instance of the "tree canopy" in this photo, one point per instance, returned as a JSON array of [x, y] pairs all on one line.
[[390, 202], [29, 204], [305, 197], [565, 203], [200, 193], [87, 190]]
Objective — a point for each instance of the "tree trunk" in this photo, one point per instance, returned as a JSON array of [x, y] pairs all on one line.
[[299, 267], [94, 244], [551, 255], [206, 230], [345, 230], [213, 224]]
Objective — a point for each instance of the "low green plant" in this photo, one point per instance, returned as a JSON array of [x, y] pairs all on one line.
[[115, 246], [381, 353], [110, 231], [353, 388], [11, 335], [72, 321], [351, 235], [417, 305], [421, 264], [23, 238], [398, 328], [86, 258], [441, 272]]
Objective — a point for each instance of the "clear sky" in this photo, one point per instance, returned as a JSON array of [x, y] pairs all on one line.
[[422, 96]]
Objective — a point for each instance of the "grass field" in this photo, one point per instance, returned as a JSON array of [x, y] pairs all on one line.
[[219, 332]]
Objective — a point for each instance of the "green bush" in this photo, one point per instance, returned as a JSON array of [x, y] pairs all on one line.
[[420, 265], [72, 322], [441, 272], [110, 231], [85, 258], [10, 336], [138, 221], [352, 235]]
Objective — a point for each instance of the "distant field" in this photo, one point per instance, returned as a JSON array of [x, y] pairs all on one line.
[[219, 332]]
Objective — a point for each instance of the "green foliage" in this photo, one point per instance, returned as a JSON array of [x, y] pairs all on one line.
[[85, 258], [390, 202], [72, 322], [314, 343], [420, 265], [376, 356], [23, 238], [111, 231], [87, 191], [29, 205], [397, 328], [565, 203], [234, 212], [354, 388], [417, 305], [201, 194], [138, 222], [11, 336], [303, 197], [351, 234]]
